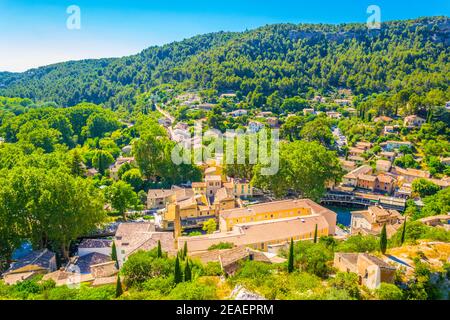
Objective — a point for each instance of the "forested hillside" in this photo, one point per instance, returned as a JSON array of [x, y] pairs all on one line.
[[285, 58]]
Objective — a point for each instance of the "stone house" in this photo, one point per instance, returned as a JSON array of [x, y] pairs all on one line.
[[371, 270]]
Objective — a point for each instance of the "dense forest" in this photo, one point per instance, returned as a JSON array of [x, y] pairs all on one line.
[[284, 59]]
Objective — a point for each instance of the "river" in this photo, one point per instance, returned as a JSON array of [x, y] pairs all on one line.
[[343, 214]]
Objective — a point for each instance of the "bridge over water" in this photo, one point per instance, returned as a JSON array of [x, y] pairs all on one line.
[[364, 200]]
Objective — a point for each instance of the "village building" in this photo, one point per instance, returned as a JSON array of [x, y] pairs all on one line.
[[359, 160], [193, 212], [84, 263], [199, 187], [409, 174], [355, 152], [269, 211], [348, 165], [352, 111], [385, 183], [413, 121], [239, 187], [224, 199], [229, 95], [230, 259], [319, 99], [91, 172], [255, 126], [266, 235], [205, 106], [182, 126], [33, 264], [213, 183], [131, 237], [272, 122], [404, 191], [164, 121], [159, 198], [88, 246], [383, 165], [333, 115], [308, 111], [372, 220], [343, 102], [364, 145], [371, 270], [394, 145], [351, 178], [238, 113], [382, 119], [389, 155], [264, 114], [114, 169], [441, 221]]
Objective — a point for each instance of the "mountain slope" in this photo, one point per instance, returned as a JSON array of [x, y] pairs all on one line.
[[288, 58]]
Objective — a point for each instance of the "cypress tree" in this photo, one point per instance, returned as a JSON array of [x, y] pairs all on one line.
[[187, 271], [383, 240], [403, 232], [178, 276], [291, 257], [185, 251], [159, 252], [113, 252], [315, 234], [119, 290]]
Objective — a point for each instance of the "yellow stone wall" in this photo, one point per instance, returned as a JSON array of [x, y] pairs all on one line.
[[230, 222]]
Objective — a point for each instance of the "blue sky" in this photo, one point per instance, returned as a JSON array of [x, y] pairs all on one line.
[[35, 33]]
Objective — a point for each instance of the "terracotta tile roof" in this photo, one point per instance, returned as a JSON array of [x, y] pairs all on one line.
[[259, 232], [198, 184], [356, 150], [351, 258], [377, 261], [266, 207], [412, 172], [40, 259], [382, 118], [95, 243], [384, 178], [85, 262], [129, 228], [366, 177], [360, 170], [213, 178], [159, 193], [223, 194]]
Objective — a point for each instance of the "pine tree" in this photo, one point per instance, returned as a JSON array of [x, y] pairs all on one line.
[[187, 271], [291, 257], [159, 252], [185, 250], [403, 232], [315, 234], [119, 290], [178, 276], [383, 240]]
